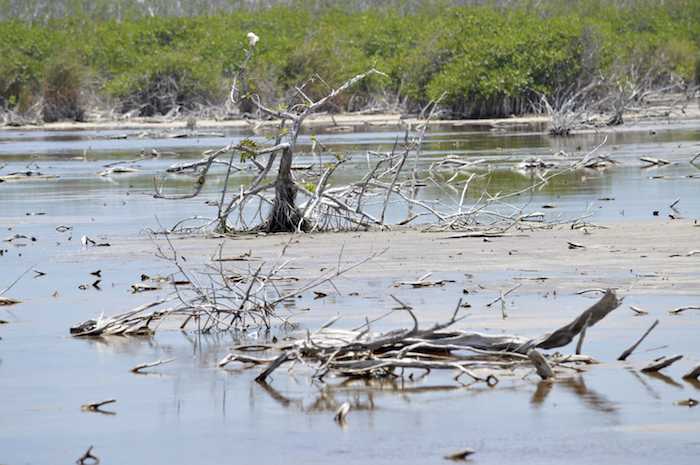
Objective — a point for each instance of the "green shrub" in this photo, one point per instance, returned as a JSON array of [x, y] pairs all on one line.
[[24, 50], [165, 81], [62, 89], [491, 61]]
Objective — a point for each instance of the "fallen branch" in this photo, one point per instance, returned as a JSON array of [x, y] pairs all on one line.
[[543, 369], [461, 455], [143, 366], [660, 364], [683, 309], [7, 300], [693, 374], [88, 458], [690, 402], [97, 407], [654, 161], [629, 351], [590, 317], [638, 311]]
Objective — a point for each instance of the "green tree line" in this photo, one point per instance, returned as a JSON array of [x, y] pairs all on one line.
[[489, 58]]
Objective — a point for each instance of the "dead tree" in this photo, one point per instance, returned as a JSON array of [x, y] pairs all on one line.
[[630, 85], [284, 214], [282, 203], [627, 86], [569, 108]]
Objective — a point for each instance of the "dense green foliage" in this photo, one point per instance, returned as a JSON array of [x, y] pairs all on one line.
[[489, 60]]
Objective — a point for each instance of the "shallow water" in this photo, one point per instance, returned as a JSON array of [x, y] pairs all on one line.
[[190, 411], [626, 191]]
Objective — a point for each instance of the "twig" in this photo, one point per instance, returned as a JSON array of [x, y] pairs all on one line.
[[683, 309], [143, 366], [402, 306], [638, 311], [461, 455], [595, 289], [88, 458], [629, 351], [17, 280], [502, 295], [97, 407]]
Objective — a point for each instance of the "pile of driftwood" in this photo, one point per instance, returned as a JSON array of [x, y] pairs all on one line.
[[360, 353]]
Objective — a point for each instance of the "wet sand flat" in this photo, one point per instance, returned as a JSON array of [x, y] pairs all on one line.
[[655, 256], [610, 413]]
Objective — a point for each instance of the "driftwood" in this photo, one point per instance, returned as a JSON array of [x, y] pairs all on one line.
[[461, 455], [97, 407], [6, 301], [638, 311], [683, 309], [541, 365], [342, 413], [650, 161], [661, 363], [134, 322], [143, 366], [590, 317], [629, 351], [88, 458], [359, 353], [117, 170], [693, 374], [26, 176], [424, 282]]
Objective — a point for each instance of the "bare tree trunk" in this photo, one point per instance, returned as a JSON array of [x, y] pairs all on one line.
[[285, 215], [616, 120]]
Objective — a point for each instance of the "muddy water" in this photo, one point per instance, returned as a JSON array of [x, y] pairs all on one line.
[[192, 412]]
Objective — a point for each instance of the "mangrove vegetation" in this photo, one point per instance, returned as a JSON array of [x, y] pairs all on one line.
[[71, 60]]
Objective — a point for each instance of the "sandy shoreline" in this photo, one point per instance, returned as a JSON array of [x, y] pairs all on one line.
[[654, 256], [348, 122], [341, 122]]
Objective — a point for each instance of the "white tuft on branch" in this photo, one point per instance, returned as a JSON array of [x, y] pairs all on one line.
[[252, 39]]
